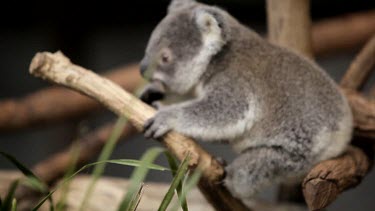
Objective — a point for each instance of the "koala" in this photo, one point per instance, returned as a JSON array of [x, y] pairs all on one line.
[[280, 111]]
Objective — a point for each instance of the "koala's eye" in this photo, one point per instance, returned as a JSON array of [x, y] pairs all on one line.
[[165, 57]]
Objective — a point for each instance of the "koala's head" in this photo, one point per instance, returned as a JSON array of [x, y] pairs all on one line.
[[183, 43]]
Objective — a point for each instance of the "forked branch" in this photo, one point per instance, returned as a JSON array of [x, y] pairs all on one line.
[[328, 179]]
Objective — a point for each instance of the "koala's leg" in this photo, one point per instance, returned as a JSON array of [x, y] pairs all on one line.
[[259, 167]]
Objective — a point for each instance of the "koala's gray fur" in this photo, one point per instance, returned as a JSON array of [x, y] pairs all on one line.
[[280, 111]]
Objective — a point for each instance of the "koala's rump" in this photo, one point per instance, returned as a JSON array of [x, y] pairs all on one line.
[[302, 109]]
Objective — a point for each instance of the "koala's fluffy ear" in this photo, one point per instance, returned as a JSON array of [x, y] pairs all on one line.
[[212, 26], [177, 4]]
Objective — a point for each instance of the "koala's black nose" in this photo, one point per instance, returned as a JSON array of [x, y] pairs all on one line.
[[154, 91], [144, 66]]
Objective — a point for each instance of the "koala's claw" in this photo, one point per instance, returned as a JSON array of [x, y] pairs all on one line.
[[146, 128], [155, 128]]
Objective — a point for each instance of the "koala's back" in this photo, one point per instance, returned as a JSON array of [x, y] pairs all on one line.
[[301, 108]]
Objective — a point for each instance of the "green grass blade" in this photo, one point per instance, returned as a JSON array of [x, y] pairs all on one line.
[[173, 165], [137, 163], [14, 205], [31, 177], [104, 155], [136, 199], [178, 177], [60, 185], [138, 176], [9, 197], [74, 154], [131, 162], [18, 164], [35, 184], [191, 183]]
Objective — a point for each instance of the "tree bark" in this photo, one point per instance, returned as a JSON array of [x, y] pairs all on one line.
[[328, 179], [289, 24]]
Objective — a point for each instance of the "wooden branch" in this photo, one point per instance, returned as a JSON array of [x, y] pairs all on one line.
[[360, 68], [343, 32], [58, 69], [329, 178], [363, 112], [289, 24], [58, 104], [52, 168]]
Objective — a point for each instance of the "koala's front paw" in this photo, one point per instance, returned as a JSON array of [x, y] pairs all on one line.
[[158, 125]]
